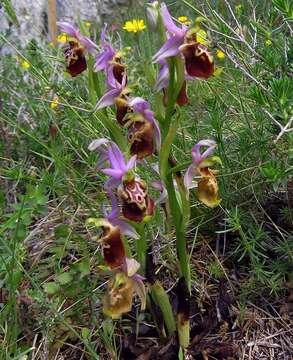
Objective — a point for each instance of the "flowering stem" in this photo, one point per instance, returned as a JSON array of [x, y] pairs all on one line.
[[178, 219], [141, 246]]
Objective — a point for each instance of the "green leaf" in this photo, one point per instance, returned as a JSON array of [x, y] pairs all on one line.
[[62, 231], [64, 278], [10, 12], [85, 332], [51, 288]]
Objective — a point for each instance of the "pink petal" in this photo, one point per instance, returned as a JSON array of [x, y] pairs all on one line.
[[188, 177], [168, 22], [170, 48], [68, 29], [95, 144], [131, 163], [116, 174], [107, 99]]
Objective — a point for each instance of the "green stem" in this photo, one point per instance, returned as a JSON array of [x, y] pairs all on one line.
[[178, 219], [141, 246]]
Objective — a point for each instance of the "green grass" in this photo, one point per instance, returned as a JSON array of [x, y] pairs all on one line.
[[51, 284]]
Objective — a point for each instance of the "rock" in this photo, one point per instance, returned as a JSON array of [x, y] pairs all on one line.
[[33, 18]]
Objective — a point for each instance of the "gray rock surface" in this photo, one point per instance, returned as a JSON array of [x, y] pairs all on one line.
[[32, 16]]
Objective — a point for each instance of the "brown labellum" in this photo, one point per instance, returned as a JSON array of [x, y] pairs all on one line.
[[75, 59], [121, 109], [136, 204], [141, 138], [198, 61], [112, 246], [118, 70]]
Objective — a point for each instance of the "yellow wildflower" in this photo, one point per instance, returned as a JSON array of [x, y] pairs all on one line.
[[184, 20], [24, 64], [88, 24], [220, 54], [201, 37], [54, 102], [62, 38], [268, 42], [134, 25]]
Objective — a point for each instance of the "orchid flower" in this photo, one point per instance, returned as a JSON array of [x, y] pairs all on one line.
[[182, 40], [137, 205], [142, 135], [116, 92], [108, 52], [125, 282], [121, 289], [69, 29], [119, 167], [207, 186], [75, 53], [110, 60]]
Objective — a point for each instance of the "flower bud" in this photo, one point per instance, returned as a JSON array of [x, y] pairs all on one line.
[[152, 13]]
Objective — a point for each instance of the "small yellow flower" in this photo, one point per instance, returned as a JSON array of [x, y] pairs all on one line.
[[134, 25], [220, 54], [55, 102], [184, 20], [88, 24], [24, 64], [201, 37], [62, 38], [268, 42]]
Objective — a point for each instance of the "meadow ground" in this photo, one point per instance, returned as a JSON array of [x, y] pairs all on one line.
[[51, 273]]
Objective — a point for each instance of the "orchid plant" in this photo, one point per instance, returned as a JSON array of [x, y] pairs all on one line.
[[150, 132]]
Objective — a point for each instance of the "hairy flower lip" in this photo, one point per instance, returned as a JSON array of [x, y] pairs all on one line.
[[75, 59], [137, 206], [198, 61]]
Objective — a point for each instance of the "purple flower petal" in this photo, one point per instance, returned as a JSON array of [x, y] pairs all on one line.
[[116, 158], [68, 29], [87, 43], [163, 76], [131, 163], [103, 35], [197, 157], [168, 22], [158, 185], [102, 59], [170, 48], [116, 174], [112, 183], [126, 229], [95, 144], [107, 99], [188, 177], [115, 209]]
